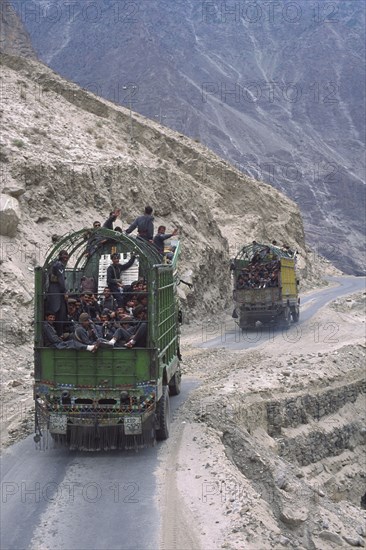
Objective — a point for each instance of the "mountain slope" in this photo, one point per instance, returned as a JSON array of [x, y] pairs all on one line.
[[67, 159], [276, 88]]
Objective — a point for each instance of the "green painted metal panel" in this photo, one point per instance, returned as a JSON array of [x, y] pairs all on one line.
[[110, 368]]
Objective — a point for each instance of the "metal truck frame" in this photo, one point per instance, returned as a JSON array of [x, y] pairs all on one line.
[[113, 398], [274, 305]]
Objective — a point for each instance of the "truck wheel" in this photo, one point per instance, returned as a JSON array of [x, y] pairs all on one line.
[[286, 318], [174, 384], [295, 313], [163, 415]]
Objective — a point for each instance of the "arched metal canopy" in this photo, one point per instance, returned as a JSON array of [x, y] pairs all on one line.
[[248, 251], [76, 245]]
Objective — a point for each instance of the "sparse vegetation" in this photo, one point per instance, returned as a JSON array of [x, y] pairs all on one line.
[[90, 131], [100, 143], [18, 143], [100, 124]]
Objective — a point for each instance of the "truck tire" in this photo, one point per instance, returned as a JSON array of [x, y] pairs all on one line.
[[295, 313], [163, 415], [174, 384], [286, 318]]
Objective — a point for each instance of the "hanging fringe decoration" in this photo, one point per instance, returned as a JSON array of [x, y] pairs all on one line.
[[106, 438]]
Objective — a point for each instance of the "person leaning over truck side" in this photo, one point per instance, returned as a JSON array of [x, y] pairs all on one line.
[[144, 225]]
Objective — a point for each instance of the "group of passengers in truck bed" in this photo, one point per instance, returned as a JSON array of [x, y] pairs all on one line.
[[259, 276], [118, 318], [261, 272], [92, 322]]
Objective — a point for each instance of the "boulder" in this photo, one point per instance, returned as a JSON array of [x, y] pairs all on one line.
[[294, 516], [9, 215], [13, 187]]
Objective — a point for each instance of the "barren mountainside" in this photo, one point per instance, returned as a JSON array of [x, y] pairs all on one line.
[[277, 88], [67, 159]]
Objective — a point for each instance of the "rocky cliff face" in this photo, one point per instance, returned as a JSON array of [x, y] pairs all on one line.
[[276, 88], [67, 158], [14, 39]]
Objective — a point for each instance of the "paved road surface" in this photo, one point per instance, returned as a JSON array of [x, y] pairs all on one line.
[[65, 500], [226, 334]]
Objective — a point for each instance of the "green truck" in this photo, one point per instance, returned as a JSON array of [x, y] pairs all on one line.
[[113, 398], [265, 286]]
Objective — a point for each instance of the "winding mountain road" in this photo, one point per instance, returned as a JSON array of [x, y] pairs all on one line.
[[228, 335], [61, 500]]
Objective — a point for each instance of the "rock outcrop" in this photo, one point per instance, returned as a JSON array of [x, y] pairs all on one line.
[[9, 215], [14, 39]]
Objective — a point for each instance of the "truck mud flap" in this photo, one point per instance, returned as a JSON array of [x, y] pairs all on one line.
[[106, 438]]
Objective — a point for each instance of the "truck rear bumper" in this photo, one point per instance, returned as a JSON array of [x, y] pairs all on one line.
[[95, 434]]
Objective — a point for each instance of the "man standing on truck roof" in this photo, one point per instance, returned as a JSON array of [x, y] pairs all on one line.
[[94, 239], [161, 236], [144, 224], [108, 224]]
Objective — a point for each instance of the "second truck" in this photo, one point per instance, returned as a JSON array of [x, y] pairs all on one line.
[[265, 286]]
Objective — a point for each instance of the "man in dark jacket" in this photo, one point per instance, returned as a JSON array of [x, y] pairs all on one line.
[[108, 301], [56, 296], [86, 332], [124, 332], [52, 340], [139, 337], [134, 334], [108, 224], [114, 276], [144, 224], [161, 236]]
